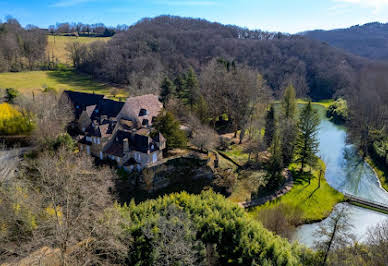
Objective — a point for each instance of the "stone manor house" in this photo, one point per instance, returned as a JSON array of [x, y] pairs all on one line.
[[119, 131]]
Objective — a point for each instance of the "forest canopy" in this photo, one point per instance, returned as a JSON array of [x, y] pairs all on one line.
[[141, 56]]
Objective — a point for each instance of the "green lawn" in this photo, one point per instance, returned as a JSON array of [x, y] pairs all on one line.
[[325, 103], [237, 154], [26, 82], [316, 203]]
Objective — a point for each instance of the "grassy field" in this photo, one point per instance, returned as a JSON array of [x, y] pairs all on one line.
[[56, 45], [315, 203], [325, 103], [26, 82]]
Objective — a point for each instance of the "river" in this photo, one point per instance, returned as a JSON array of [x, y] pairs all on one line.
[[346, 172]]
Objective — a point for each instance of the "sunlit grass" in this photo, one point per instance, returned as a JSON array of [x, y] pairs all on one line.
[[27, 82], [56, 45], [316, 203]]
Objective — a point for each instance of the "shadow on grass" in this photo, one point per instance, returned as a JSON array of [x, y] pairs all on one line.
[[71, 78]]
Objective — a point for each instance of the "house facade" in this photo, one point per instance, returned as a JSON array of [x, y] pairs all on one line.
[[119, 131]]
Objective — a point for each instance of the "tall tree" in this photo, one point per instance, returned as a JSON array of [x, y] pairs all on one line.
[[191, 91], [275, 163], [334, 233], [167, 90], [270, 125], [288, 124], [289, 102], [166, 124], [306, 141]]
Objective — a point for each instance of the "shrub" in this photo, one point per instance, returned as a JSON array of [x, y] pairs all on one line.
[[13, 122], [338, 111], [230, 235], [12, 94]]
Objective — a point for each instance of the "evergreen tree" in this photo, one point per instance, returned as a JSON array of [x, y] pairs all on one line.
[[168, 126], [288, 124], [275, 164], [307, 142], [269, 126], [168, 90], [289, 102], [180, 84], [191, 90]]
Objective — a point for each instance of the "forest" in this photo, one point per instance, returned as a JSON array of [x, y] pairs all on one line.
[[228, 92]]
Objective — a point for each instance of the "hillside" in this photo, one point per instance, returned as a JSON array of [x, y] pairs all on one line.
[[153, 47], [56, 45], [369, 40]]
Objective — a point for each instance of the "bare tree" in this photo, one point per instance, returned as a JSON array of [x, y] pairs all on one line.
[[204, 138], [378, 243], [334, 233], [50, 114], [63, 201]]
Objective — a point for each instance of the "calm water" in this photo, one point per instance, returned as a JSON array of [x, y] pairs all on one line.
[[346, 172]]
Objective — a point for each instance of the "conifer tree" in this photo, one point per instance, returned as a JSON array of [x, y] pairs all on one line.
[[168, 90], [269, 126], [191, 90], [288, 124], [307, 142], [275, 163], [168, 126], [289, 102]]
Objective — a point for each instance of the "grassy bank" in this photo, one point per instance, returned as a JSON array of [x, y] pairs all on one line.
[[382, 172], [315, 202], [26, 82], [56, 45]]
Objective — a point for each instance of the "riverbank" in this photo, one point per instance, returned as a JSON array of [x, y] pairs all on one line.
[[380, 172], [314, 202]]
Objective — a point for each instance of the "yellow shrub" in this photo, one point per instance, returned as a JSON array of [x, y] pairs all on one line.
[[12, 121]]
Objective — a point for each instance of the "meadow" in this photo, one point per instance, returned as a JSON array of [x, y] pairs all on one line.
[[35, 81], [56, 45]]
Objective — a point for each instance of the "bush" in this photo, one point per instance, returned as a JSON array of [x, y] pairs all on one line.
[[13, 122], [230, 235], [338, 111], [12, 94]]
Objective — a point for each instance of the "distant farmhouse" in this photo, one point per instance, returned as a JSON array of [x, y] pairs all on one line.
[[116, 130]]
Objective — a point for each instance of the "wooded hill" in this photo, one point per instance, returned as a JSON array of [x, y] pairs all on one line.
[[369, 40], [141, 56]]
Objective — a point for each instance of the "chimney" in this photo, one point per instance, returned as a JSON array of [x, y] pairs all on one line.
[[125, 145]]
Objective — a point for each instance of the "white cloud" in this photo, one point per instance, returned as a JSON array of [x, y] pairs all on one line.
[[375, 4], [67, 3]]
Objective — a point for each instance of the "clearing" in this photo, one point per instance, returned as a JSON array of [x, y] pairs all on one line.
[[27, 82], [56, 45]]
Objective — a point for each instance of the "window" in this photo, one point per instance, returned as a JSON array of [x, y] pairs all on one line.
[[143, 112]]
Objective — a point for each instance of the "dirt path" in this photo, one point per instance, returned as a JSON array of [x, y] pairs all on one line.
[[289, 183], [9, 160]]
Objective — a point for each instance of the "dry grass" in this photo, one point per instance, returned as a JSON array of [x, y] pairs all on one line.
[[56, 45]]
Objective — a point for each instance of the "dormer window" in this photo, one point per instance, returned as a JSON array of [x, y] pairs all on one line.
[[145, 122], [143, 112]]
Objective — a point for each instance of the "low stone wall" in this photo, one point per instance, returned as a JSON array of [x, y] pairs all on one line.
[[173, 170]]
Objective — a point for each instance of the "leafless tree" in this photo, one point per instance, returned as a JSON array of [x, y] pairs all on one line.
[[334, 233], [63, 201], [378, 243], [50, 114]]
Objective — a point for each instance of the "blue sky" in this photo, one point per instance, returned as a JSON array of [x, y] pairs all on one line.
[[272, 15]]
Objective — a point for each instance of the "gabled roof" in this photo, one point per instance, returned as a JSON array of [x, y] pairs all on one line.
[[107, 107], [81, 100], [142, 107]]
